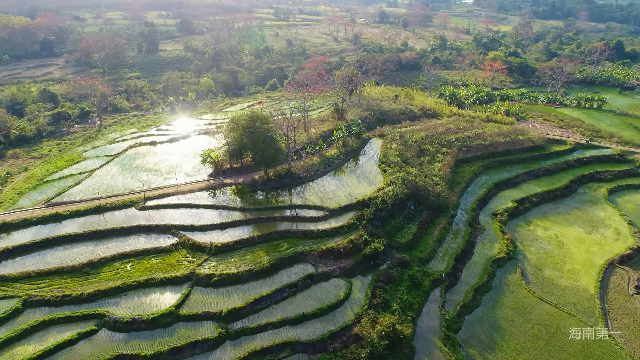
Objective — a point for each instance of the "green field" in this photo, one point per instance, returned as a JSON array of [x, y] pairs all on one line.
[[454, 240], [617, 100], [563, 246], [629, 202], [122, 272], [623, 308], [259, 256], [511, 323], [624, 127], [487, 246]]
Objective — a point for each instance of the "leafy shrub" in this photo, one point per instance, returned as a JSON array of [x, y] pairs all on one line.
[[467, 97], [272, 85]]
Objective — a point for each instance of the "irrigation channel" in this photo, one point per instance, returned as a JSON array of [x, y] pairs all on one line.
[[213, 274]]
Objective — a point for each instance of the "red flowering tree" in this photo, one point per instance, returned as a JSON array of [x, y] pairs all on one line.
[[307, 84], [492, 70]]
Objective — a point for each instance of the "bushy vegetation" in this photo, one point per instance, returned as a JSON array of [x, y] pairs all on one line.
[[467, 97]]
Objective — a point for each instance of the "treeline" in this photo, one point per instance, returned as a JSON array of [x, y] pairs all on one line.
[[622, 12], [551, 56]]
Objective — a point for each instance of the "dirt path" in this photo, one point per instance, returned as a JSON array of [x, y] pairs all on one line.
[[554, 132], [164, 190]]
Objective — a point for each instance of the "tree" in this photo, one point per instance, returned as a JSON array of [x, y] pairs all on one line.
[[207, 87], [253, 133], [557, 74], [347, 81], [596, 55], [237, 147], [287, 118], [383, 16], [212, 158], [429, 76], [443, 19], [492, 69], [619, 49], [47, 47], [404, 22], [272, 85], [186, 26], [104, 50], [6, 126], [91, 89], [464, 64], [308, 84], [377, 65]]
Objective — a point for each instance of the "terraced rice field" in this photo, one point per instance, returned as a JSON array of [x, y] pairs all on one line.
[[118, 147], [356, 179], [216, 299], [563, 246], [37, 342], [454, 240], [428, 329], [317, 296], [511, 323], [131, 216], [151, 292], [488, 246], [47, 191], [134, 302], [243, 232], [8, 304], [81, 167], [623, 307], [307, 331], [78, 253], [107, 344], [146, 167], [629, 202]]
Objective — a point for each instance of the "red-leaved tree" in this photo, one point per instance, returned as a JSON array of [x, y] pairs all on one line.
[[492, 70]]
